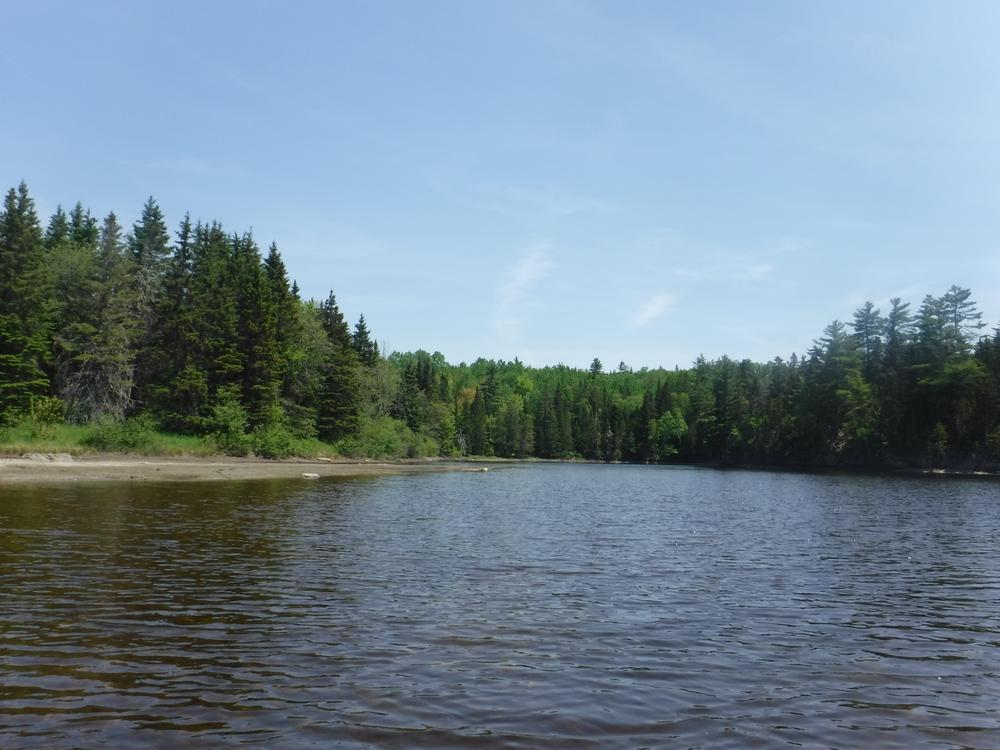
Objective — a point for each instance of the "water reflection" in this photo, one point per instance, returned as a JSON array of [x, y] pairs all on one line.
[[547, 606]]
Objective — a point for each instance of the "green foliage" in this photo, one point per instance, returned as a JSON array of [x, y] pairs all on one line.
[[387, 438], [47, 410], [665, 434], [340, 397], [26, 305], [135, 435], [28, 436], [992, 445], [206, 337], [273, 439], [363, 344], [227, 423]]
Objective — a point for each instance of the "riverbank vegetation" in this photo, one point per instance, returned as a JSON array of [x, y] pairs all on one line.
[[196, 341]]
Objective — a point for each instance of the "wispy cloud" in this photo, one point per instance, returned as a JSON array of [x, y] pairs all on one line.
[[533, 265], [655, 307], [745, 266]]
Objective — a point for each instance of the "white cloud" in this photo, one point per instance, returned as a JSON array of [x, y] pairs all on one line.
[[655, 307], [533, 265], [715, 264]]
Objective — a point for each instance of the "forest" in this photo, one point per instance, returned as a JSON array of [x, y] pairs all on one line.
[[197, 331]]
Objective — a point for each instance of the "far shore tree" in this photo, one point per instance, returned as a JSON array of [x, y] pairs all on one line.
[[202, 333]]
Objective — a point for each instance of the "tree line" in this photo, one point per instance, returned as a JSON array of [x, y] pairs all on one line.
[[199, 331]]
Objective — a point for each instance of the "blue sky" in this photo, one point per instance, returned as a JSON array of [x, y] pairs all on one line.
[[641, 181]]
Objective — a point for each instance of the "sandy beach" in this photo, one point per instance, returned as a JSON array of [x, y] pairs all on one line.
[[61, 468]]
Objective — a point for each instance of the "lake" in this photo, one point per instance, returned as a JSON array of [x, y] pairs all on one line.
[[536, 606]]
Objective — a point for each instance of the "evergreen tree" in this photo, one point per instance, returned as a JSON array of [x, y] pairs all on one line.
[[101, 378], [178, 387], [149, 242], [74, 278], [363, 344], [962, 321], [83, 227], [868, 329], [57, 231], [214, 291], [479, 442], [285, 309], [339, 406], [149, 248], [25, 322], [257, 332]]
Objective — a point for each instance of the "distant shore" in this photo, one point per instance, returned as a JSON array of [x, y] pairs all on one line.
[[47, 468]]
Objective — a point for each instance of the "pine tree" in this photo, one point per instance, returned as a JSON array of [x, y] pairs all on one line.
[[25, 322], [258, 342], [100, 382], [149, 242], [149, 249], [57, 230], [932, 341], [479, 442], [83, 227], [837, 405], [868, 330], [962, 321], [363, 344], [214, 305], [285, 309], [178, 387], [411, 398], [339, 406], [76, 286]]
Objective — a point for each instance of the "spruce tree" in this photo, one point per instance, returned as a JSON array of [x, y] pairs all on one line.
[[479, 442], [285, 311], [75, 277], [178, 387], [363, 344], [25, 322], [149, 242], [258, 343], [149, 248], [57, 230], [214, 309], [339, 405], [100, 382]]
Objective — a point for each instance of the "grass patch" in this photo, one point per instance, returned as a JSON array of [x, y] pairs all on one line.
[[37, 437], [379, 438], [132, 436]]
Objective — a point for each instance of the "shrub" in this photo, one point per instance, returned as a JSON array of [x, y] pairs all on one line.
[[274, 439], [227, 424], [384, 437], [134, 435], [47, 410]]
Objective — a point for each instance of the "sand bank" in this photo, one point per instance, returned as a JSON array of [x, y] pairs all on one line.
[[46, 468]]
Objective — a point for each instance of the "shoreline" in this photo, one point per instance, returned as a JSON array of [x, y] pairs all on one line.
[[63, 468]]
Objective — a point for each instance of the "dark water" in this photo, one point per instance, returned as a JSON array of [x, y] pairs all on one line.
[[530, 607]]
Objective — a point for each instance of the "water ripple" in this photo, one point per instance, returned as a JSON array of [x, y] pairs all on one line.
[[536, 607]]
